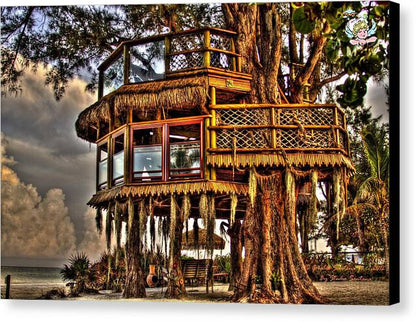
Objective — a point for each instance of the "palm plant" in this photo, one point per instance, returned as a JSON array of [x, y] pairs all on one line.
[[78, 271], [373, 189]]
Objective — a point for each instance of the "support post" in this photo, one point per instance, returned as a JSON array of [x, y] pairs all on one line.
[[207, 42], [273, 121], [7, 281], [234, 62], [167, 52], [336, 124], [126, 64], [213, 134]]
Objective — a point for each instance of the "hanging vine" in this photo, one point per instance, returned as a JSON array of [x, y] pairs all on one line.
[[108, 227], [210, 226], [252, 185], [99, 220], [203, 209], [185, 213], [152, 224], [312, 212], [233, 208]]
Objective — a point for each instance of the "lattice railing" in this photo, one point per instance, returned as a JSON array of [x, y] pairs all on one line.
[[247, 127]]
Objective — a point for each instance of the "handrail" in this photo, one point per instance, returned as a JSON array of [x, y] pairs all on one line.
[[160, 37], [210, 51], [256, 128]]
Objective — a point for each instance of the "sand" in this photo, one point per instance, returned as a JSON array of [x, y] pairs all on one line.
[[345, 292]]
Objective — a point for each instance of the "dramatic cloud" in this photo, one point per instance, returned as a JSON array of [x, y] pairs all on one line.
[[92, 244], [43, 141], [33, 226], [40, 227]]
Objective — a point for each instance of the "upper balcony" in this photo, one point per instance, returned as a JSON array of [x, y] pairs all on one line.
[[168, 56]]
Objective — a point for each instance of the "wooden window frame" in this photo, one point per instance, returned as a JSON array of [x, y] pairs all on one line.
[[166, 171], [117, 181]]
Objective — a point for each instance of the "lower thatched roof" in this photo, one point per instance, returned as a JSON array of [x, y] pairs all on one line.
[[190, 244], [294, 159], [165, 189], [176, 94]]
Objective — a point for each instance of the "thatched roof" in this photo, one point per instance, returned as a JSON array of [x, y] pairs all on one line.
[[166, 188], [219, 243], [177, 94], [294, 159]]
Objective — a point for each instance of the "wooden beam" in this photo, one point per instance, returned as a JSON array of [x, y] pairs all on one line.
[[126, 64], [207, 42]]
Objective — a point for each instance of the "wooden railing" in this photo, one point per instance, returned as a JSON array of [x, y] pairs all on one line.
[[258, 128], [156, 57]]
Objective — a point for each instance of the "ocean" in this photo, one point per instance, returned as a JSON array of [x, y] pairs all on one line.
[[30, 282]]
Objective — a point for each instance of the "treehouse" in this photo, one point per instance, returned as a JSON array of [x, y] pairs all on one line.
[[173, 120]]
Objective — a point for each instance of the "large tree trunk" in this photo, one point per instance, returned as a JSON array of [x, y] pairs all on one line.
[[236, 249], [176, 286], [260, 45], [135, 284]]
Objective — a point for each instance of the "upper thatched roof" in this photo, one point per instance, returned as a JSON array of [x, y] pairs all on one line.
[[177, 94]]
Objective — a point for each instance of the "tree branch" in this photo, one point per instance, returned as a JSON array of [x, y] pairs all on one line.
[[330, 79]]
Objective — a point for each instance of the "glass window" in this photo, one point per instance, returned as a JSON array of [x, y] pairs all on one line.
[[147, 154], [147, 62], [185, 150], [118, 159], [113, 76], [102, 165]]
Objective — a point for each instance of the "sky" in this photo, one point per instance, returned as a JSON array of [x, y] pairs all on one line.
[[48, 173]]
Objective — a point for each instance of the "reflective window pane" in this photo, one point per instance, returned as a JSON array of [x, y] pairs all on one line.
[[147, 161], [185, 156], [185, 149], [118, 165], [102, 173], [147, 62], [118, 159], [113, 76]]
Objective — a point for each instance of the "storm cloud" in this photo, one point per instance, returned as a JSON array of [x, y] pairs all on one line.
[[51, 175]]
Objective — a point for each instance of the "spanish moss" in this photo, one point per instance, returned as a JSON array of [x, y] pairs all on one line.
[[108, 227], [99, 221]]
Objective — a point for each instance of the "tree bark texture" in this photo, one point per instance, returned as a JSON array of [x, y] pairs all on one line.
[[176, 285], [135, 284], [269, 227], [236, 250]]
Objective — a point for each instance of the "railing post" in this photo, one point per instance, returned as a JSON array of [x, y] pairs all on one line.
[[126, 64], [167, 52], [100, 84], [207, 146], [348, 139], [207, 43], [273, 132], [336, 124], [234, 57]]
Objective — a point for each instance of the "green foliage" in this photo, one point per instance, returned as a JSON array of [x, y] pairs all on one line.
[[352, 91], [223, 263], [78, 271], [302, 22]]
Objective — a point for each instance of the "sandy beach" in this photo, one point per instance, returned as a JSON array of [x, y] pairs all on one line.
[[348, 292]]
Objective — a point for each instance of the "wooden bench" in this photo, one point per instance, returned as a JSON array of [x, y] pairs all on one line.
[[198, 270]]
